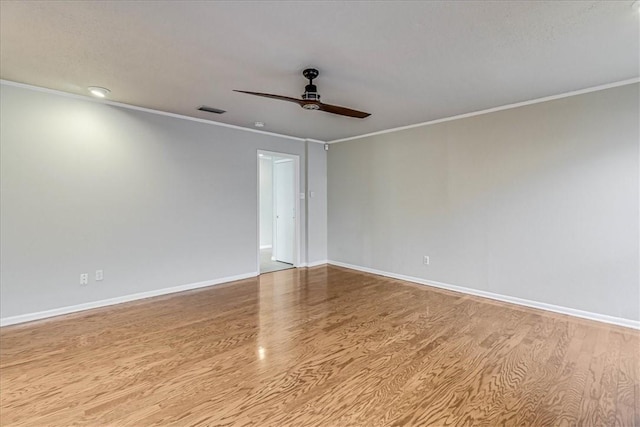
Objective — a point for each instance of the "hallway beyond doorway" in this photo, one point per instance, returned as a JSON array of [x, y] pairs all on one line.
[[268, 265]]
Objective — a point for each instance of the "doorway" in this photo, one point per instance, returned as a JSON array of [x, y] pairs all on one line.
[[278, 211]]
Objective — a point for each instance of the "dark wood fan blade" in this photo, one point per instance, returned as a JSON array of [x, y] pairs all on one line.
[[343, 111], [335, 109], [280, 97]]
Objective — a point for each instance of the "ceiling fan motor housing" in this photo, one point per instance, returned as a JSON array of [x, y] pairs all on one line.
[[311, 93]]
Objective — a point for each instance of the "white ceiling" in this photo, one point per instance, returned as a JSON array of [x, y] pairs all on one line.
[[404, 62]]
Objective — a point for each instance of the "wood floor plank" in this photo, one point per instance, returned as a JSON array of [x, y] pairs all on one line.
[[325, 346], [628, 384]]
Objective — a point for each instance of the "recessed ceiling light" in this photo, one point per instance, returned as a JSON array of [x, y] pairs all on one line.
[[259, 124], [98, 91]]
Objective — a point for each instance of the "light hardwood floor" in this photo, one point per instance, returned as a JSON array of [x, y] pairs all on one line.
[[318, 347]]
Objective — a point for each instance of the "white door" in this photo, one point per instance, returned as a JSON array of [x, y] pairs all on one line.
[[284, 200]]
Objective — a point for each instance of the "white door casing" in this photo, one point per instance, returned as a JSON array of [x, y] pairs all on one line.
[[298, 205]]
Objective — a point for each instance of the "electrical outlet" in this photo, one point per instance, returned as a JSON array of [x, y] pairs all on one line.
[[84, 279], [425, 260], [99, 275]]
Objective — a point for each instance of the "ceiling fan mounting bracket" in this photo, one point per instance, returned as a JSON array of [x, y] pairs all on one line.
[[310, 74]]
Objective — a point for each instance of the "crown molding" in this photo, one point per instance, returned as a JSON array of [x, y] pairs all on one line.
[[494, 109], [295, 138], [149, 110]]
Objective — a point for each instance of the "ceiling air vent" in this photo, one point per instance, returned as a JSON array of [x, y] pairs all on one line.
[[211, 109]]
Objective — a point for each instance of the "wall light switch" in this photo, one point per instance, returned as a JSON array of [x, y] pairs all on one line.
[[99, 275], [425, 260]]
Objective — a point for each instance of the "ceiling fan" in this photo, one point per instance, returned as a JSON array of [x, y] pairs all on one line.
[[311, 98]]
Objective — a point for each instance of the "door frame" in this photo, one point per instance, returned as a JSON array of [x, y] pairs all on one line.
[[297, 204]]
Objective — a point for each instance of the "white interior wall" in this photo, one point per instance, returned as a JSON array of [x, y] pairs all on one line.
[[154, 201], [266, 202], [538, 202]]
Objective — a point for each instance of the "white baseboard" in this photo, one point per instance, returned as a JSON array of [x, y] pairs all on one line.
[[265, 247], [6, 321], [504, 298], [312, 264], [317, 263]]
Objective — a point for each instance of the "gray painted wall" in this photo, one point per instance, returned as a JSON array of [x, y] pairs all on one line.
[[266, 201], [317, 202], [538, 202], [152, 200]]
